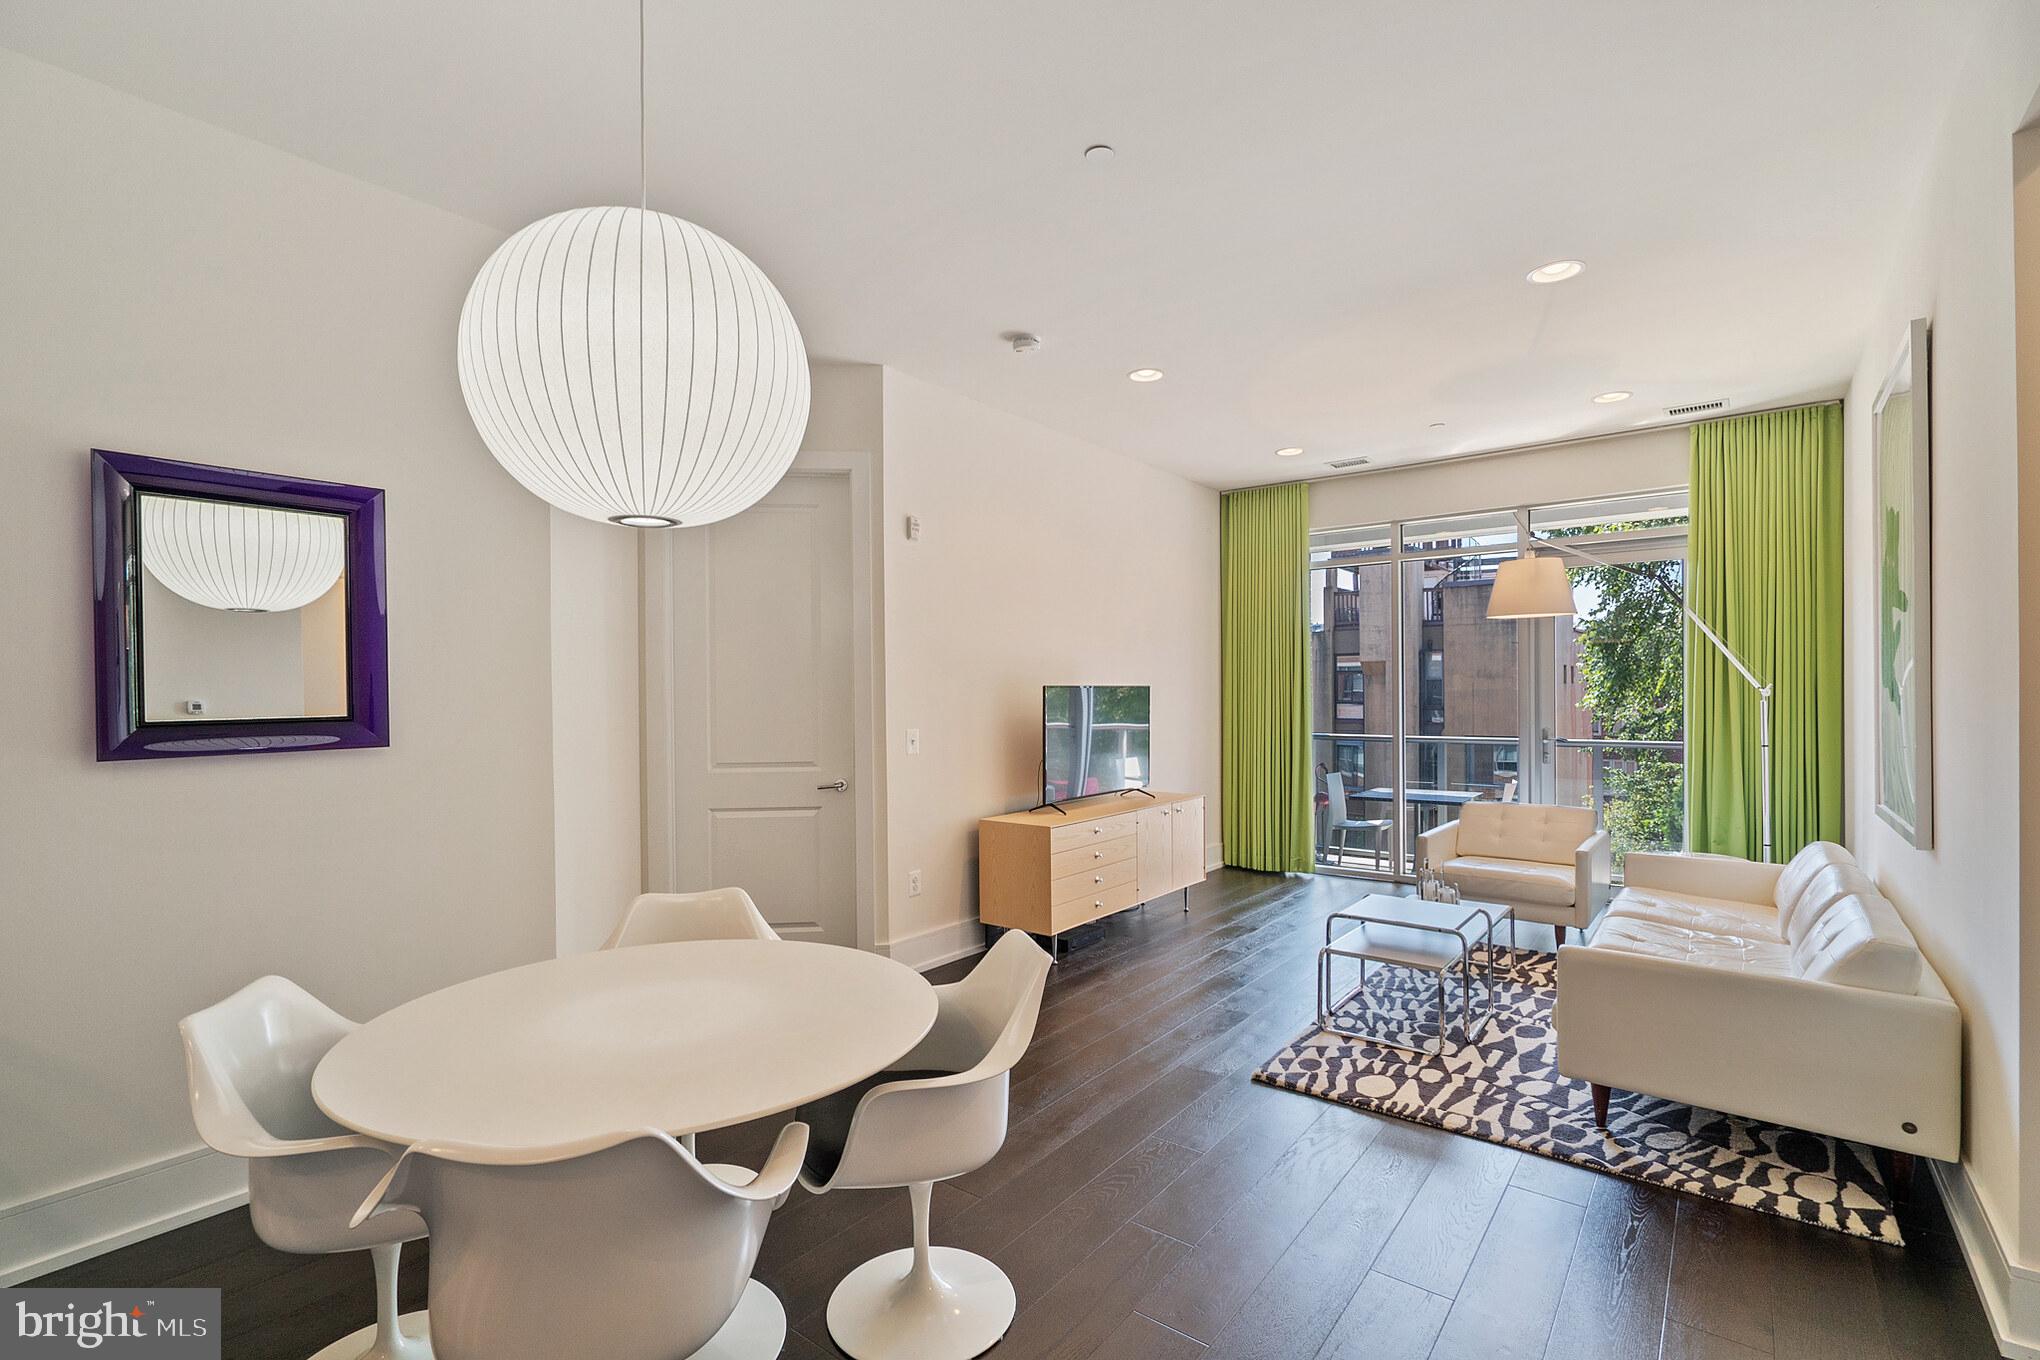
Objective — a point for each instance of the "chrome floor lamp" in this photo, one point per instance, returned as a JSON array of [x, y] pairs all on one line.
[[1534, 586]]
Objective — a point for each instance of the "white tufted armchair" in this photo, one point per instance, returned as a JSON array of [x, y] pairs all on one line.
[[1547, 862]]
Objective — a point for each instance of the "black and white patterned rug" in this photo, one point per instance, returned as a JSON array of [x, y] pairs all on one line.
[[1506, 1088]]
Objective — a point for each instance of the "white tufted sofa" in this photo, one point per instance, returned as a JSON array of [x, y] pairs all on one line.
[[1791, 993], [1547, 862]]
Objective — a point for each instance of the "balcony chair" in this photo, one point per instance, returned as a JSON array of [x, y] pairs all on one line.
[[622, 1246], [940, 1113], [1546, 862], [248, 1062], [1340, 823]]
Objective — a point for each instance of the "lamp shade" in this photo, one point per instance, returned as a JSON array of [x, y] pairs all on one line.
[[631, 367], [248, 559], [1534, 587]]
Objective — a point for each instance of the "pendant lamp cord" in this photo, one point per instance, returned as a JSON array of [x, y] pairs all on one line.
[[644, 198]]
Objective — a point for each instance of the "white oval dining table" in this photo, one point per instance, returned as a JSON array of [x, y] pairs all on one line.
[[683, 1037]]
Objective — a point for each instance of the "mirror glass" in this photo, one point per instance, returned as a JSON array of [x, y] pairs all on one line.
[[243, 611]]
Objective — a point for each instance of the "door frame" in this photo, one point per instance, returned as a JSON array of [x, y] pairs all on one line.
[[659, 719]]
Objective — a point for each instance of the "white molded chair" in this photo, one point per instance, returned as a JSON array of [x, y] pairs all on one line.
[[667, 918], [940, 1113], [623, 1247], [249, 1062]]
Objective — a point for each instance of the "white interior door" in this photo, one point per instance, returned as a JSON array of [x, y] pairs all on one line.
[[751, 708]]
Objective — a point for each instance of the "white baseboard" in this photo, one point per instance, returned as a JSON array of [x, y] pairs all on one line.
[[57, 1230], [933, 948], [2011, 1292], [1214, 857]]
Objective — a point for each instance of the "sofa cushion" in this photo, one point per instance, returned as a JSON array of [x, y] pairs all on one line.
[[1823, 890], [1510, 880], [1539, 832], [1717, 915], [1859, 941], [1800, 869], [1739, 953]]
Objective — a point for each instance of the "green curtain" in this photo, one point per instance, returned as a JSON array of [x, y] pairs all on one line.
[[1264, 645], [1764, 565]]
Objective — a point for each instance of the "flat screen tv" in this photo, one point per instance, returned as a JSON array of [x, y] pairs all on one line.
[[1094, 739]]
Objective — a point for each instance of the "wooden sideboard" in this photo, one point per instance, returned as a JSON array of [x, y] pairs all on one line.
[[1046, 872]]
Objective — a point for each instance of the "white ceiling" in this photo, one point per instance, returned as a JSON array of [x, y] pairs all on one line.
[[1317, 222]]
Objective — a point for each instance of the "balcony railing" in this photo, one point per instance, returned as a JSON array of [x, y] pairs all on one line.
[[1443, 774], [1649, 775]]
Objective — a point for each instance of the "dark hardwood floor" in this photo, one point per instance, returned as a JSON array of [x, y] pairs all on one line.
[[1151, 1201]]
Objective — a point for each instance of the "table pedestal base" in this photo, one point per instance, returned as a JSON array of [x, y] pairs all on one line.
[[359, 1345], [756, 1331]]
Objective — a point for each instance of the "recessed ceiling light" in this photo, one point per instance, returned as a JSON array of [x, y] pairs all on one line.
[[1099, 154], [1558, 271], [1610, 398], [1288, 453], [1146, 375]]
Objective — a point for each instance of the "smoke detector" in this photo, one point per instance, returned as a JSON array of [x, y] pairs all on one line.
[[1023, 342]]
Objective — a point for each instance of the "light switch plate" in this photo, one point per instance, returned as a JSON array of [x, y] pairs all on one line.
[[913, 741]]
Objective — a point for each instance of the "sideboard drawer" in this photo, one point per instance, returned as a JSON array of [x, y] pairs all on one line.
[[1090, 882], [1090, 832], [1063, 863], [1104, 902]]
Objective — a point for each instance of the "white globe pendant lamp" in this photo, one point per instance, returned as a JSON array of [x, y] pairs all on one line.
[[245, 559], [628, 366]]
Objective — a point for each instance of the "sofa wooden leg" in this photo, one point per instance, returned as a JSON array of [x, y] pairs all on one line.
[[1560, 931], [1897, 1168], [1600, 1105]]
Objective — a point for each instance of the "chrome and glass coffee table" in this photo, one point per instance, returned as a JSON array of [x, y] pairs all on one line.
[[1426, 937]]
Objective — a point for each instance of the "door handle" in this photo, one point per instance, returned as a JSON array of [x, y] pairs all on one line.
[[837, 787]]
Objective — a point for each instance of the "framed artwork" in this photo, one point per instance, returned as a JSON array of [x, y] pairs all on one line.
[[1901, 435]]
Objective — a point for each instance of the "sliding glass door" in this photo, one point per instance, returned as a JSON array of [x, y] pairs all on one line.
[[1353, 703], [1422, 704]]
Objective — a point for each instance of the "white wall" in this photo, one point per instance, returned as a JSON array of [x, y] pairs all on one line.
[[1962, 897], [598, 822], [1582, 470], [239, 665], [169, 289], [1042, 560]]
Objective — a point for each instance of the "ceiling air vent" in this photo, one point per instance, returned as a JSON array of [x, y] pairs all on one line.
[[1347, 463], [1697, 408]]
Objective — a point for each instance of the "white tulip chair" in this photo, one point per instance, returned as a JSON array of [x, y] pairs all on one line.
[[622, 1247], [249, 1062], [668, 918], [939, 1113]]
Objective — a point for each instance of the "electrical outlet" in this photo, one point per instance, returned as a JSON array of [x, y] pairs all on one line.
[[913, 882], [913, 741]]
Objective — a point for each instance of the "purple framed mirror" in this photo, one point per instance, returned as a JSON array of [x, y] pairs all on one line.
[[235, 612]]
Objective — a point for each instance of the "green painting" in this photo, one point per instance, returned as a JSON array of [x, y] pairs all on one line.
[[1900, 427]]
